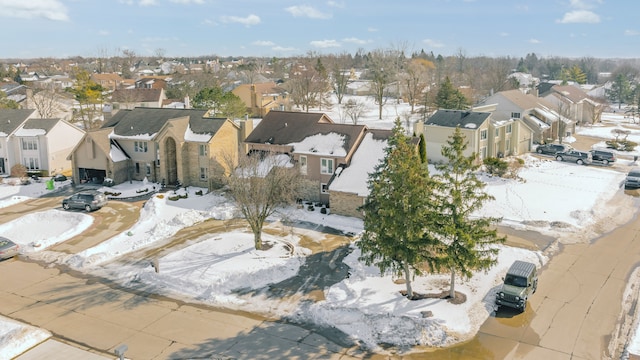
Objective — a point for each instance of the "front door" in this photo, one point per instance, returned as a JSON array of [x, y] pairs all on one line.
[[171, 161]]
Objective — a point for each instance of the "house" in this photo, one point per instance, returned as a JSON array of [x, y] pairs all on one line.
[[485, 136], [151, 83], [349, 189], [41, 145], [108, 81], [574, 103], [537, 113], [138, 97], [171, 146], [317, 145], [262, 98]]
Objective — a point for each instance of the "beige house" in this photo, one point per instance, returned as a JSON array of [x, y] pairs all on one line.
[[169, 146], [262, 98], [537, 113], [138, 97], [110, 81], [319, 147], [486, 137], [573, 103]]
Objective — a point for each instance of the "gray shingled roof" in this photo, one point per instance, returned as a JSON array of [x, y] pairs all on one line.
[[10, 119], [287, 127], [454, 118], [44, 124], [141, 121]]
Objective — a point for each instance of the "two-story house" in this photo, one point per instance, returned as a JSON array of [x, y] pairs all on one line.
[[41, 145], [485, 136], [109, 81], [138, 97], [537, 113], [262, 97], [573, 103], [162, 145], [313, 141]]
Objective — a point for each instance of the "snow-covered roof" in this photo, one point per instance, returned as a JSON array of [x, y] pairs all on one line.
[[30, 132], [321, 144], [353, 179], [189, 135], [116, 154]]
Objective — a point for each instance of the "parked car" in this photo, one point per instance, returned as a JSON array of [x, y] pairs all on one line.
[[577, 156], [88, 200], [603, 157], [552, 149], [520, 282], [632, 181], [59, 177], [8, 248]]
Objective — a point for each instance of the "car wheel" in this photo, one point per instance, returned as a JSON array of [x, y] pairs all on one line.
[[559, 158], [605, 162], [87, 207], [579, 162], [65, 206], [524, 306], [539, 151]]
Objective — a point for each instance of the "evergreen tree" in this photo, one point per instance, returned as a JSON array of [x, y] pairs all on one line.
[[221, 103], [397, 213], [469, 242], [449, 97], [423, 149]]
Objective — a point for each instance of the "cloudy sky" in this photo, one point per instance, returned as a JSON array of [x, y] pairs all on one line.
[[573, 28]]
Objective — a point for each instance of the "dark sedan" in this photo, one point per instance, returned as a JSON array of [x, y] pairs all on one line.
[[552, 149]]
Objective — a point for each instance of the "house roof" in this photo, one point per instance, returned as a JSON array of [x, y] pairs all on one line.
[[40, 124], [149, 121], [106, 77], [455, 118], [11, 119], [136, 95], [570, 92], [264, 89], [524, 101]]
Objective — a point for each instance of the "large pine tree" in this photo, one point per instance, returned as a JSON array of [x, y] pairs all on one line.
[[469, 241], [397, 213]]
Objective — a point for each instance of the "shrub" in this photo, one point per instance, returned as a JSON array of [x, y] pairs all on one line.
[[199, 192], [18, 170], [621, 145], [495, 166], [142, 190]]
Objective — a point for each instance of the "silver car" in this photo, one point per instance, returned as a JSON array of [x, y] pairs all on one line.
[[88, 200], [8, 248], [577, 156]]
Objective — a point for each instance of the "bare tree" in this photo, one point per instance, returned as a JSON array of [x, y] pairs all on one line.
[[308, 83], [564, 114], [340, 75], [354, 109], [47, 101], [261, 184], [416, 78], [382, 70]]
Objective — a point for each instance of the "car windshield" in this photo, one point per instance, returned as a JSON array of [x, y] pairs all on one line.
[[515, 281], [634, 173]]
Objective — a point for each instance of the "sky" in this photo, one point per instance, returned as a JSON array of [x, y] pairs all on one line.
[[283, 28], [366, 306]]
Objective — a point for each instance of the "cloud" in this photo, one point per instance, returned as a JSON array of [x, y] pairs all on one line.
[[140, 2], [372, 29], [580, 16], [433, 43], [534, 41], [282, 48], [103, 33], [248, 21], [503, 34], [336, 4], [34, 9], [325, 43], [356, 41], [263, 43], [632, 32], [307, 11]]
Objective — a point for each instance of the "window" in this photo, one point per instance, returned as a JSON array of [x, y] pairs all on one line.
[[303, 165], [137, 168], [515, 115], [497, 132], [326, 166], [203, 173], [324, 188], [508, 130], [31, 163], [140, 146], [29, 144], [157, 156], [148, 171], [204, 150], [483, 134]]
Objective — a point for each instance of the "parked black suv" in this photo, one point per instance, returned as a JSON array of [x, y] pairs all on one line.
[[89, 200], [552, 149], [603, 157], [632, 181]]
